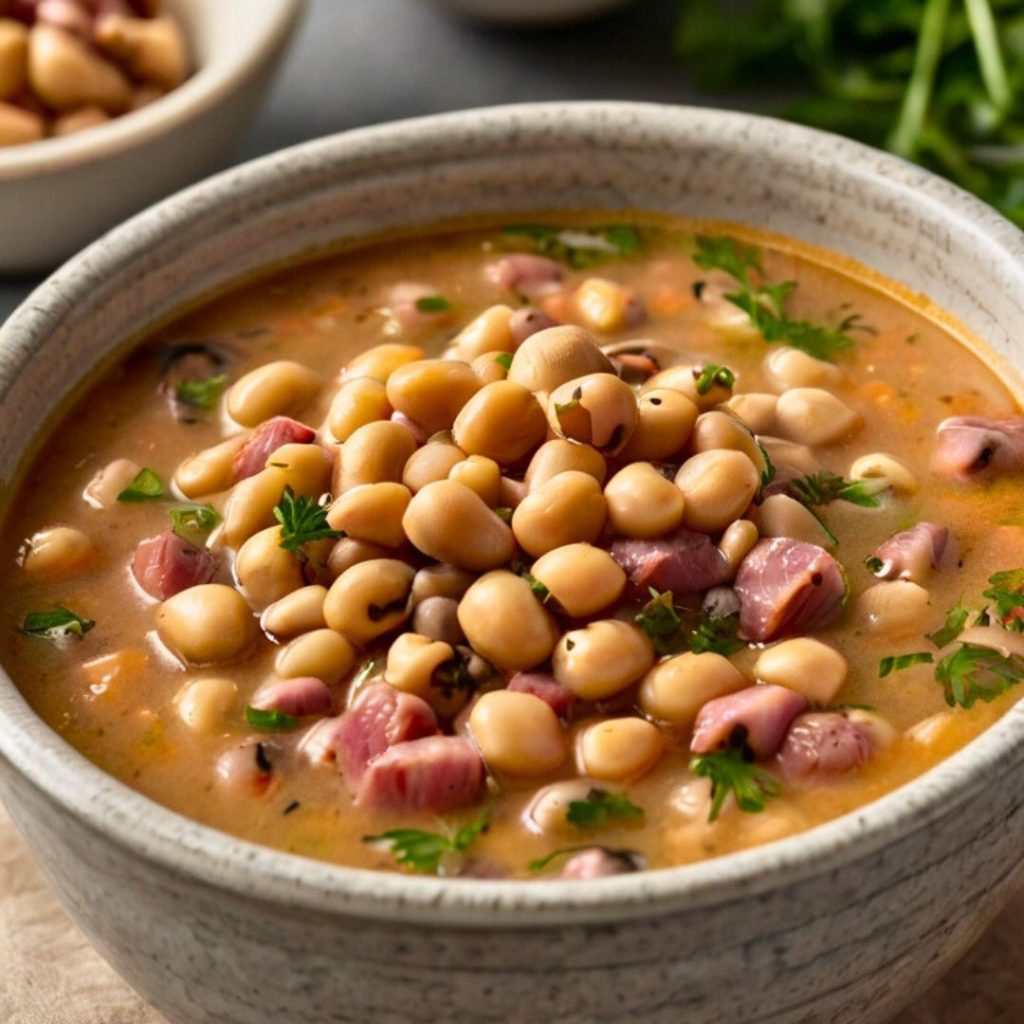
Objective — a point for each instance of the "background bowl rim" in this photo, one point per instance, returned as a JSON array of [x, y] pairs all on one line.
[[218, 860]]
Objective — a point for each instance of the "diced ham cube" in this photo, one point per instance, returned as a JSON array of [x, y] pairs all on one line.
[[684, 562], [522, 272], [912, 554], [597, 862], [302, 697], [167, 564], [437, 773], [970, 447], [759, 715], [556, 695], [823, 743], [266, 439]]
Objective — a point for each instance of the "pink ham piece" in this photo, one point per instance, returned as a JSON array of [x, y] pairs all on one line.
[[408, 309], [684, 562], [787, 586], [379, 719], [759, 715], [555, 694], [597, 862], [302, 697], [437, 773], [973, 447], [522, 272], [167, 564], [265, 440], [822, 744], [912, 554]]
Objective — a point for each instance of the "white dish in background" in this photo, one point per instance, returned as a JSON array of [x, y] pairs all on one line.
[[58, 194]]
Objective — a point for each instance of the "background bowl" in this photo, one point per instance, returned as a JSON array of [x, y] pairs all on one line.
[[846, 923], [58, 194]]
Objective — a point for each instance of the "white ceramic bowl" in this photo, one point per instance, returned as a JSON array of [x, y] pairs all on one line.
[[844, 924], [59, 194]]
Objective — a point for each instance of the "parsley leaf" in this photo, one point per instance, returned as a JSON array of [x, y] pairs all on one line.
[[193, 522], [268, 720], [719, 636], [601, 807], [1007, 591], [956, 619], [730, 772], [302, 521], [975, 673], [504, 360], [659, 620], [671, 633], [58, 623], [712, 374], [540, 863], [203, 394], [580, 249], [824, 487], [145, 486], [768, 473], [433, 304], [422, 851], [898, 662]]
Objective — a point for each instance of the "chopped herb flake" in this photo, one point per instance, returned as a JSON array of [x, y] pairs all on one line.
[[433, 304], [660, 621], [504, 360], [540, 863], [58, 623], [730, 772], [824, 487], [975, 673], [580, 249], [422, 851], [203, 394], [504, 513], [956, 619], [302, 521], [1006, 591], [194, 522], [600, 808], [145, 486], [898, 662], [712, 374], [268, 720], [718, 635]]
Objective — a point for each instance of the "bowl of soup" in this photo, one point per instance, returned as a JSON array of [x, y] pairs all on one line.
[[559, 560]]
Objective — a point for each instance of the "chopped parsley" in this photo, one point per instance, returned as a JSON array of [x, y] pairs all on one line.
[[1006, 591], [718, 635], [422, 851], [898, 662], [765, 303], [57, 623], [580, 249], [956, 619], [266, 720], [824, 487], [712, 374], [433, 304], [145, 486], [670, 632], [730, 772], [601, 808], [660, 621], [504, 360], [540, 863], [975, 673], [193, 522], [202, 394], [302, 521], [504, 513]]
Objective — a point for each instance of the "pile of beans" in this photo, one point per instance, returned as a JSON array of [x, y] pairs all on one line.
[[68, 65]]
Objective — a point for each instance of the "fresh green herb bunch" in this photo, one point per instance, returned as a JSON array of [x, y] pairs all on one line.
[[937, 81]]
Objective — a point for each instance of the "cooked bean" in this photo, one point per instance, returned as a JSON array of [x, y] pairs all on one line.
[[938, 731], [607, 306], [787, 455], [102, 490], [434, 461], [489, 367], [598, 409], [369, 599], [719, 430], [58, 551], [441, 581], [412, 661], [620, 749], [779, 515], [322, 653], [210, 470], [206, 705], [684, 378], [560, 456], [438, 618], [886, 470], [206, 624], [814, 417], [359, 400], [65, 72], [676, 689], [879, 731], [502, 421], [527, 321], [488, 332], [894, 608], [306, 467], [18, 126], [581, 578], [266, 572], [13, 58], [246, 770], [298, 612], [717, 487], [737, 542], [805, 665], [273, 389], [382, 360], [786, 368], [567, 509], [518, 734], [522, 636], [251, 505], [372, 512], [549, 358], [479, 474], [602, 659], [78, 121], [642, 503], [375, 453], [665, 420], [511, 493], [432, 391], [150, 49], [448, 521], [756, 409], [548, 810], [348, 552]]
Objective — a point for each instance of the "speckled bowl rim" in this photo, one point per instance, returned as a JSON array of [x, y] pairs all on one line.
[[207, 857]]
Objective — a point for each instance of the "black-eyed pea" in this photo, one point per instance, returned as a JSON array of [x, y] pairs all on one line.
[[322, 654], [441, 581], [375, 453], [518, 734], [433, 461], [548, 811], [568, 509], [359, 400], [58, 551], [491, 366], [207, 705], [372, 512], [18, 126], [786, 368], [206, 624], [779, 515], [604, 305], [581, 578], [805, 665], [65, 72], [306, 468], [102, 490], [274, 389], [602, 658], [720, 430], [675, 690], [522, 636], [348, 552], [894, 608], [438, 618], [502, 421], [619, 749], [265, 571], [432, 391], [756, 409], [549, 358], [599, 410], [559, 456], [250, 506], [717, 487], [151, 49], [642, 503], [412, 661], [814, 417], [665, 420], [685, 378], [382, 360], [479, 474], [738, 541], [451, 523], [13, 58], [301, 611], [211, 470], [488, 332], [884, 471], [369, 599]]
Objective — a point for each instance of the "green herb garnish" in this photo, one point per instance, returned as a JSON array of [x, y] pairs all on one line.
[[1007, 592], [504, 360], [730, 772], [768, 473], [145, 486], [433, 304], [824, 487], [302, 521], [541, 591], [422, 851], [718, 635], [504, 513], [898, 662], [540, 863], [579, 248], [203, 394], [975, 673], [266, 720], [956, 619], [58, 623], [193, 522], [601, 808], [713, 374], [670, 632], [660, 621]]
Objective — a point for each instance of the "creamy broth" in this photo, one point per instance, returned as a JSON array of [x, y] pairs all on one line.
[[113, 694]]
